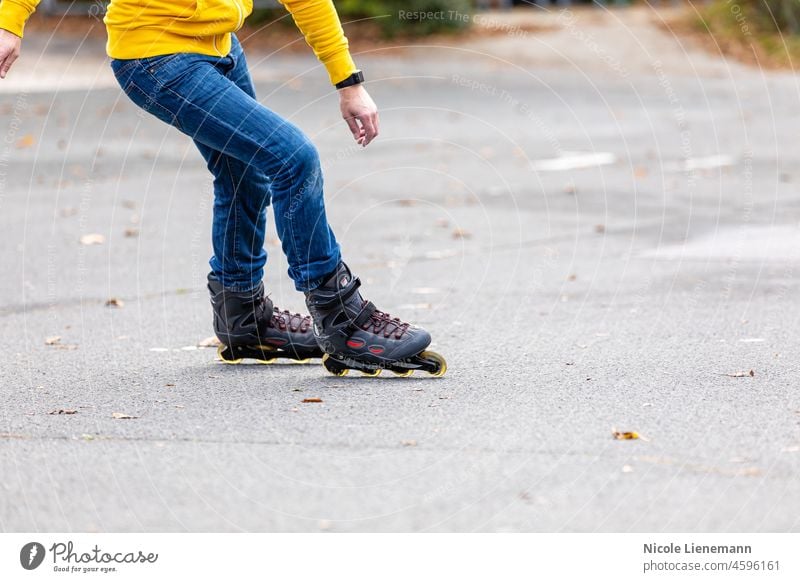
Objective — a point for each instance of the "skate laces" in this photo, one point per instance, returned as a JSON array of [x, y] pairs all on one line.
[[294, 322], [383, 322]]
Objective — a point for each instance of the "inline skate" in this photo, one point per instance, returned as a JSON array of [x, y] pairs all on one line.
[[355, 335], [249, 326]]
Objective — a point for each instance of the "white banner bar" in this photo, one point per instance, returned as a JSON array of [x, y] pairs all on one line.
[[399, 557]]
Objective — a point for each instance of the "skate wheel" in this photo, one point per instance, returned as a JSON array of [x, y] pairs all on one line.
[[221, 355], [439, 360], [372, 373], [333, 366], [403, 373]]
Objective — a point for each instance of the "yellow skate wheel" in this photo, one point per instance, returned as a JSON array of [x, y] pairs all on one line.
[[372, 373], [439, 359], [333, 366], [220, 350], [403, 373]]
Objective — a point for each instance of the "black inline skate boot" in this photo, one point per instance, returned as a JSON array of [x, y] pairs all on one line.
[[356, 336], [249, 326]]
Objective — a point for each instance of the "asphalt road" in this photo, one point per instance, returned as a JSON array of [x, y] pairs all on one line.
[[600, 234]]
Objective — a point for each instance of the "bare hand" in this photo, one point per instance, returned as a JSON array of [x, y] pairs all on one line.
[[9, 51], [360, 113]]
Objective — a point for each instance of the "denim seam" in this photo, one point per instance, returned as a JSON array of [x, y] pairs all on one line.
[[234, 202]]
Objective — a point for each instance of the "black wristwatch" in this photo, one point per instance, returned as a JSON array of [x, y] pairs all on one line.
[[355, 79]]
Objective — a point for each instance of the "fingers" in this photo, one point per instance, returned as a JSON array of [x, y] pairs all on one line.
[[370, 124], [6, 64], [354, 128]]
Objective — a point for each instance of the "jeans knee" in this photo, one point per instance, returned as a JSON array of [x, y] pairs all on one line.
[[306, 160]]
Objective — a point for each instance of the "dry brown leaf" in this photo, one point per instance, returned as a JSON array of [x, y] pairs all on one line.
[[25, 141], [122, 416], [625, 436], [311, 400], [63, 411], [461, 233], [442, 222], [747, 374], [92, 239], [600, 228], [115, 302], [406, 202], [131, 232], [209, 342], [409, 443], [52, 340]]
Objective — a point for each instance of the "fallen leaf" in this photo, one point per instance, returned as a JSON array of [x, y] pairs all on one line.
[[131, 232], [69, 211], [311, 400], [406, 202], [53, 340], [750, 374], [461, 233], [600, 228], [115, 302], [410, 443], [625, 436], [572, 277], [92, 239], [122, 416], [25, 141], [209, 342], [63, 411], [442, 222]]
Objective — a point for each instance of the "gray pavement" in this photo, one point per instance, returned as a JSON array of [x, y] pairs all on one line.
[[622, 293]]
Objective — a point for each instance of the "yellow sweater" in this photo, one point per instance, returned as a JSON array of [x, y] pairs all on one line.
[[147, 28]]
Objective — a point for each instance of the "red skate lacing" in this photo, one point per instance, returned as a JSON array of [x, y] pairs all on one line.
[[380, 321], [294, 322]]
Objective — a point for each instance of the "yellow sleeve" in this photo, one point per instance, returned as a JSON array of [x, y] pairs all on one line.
[[15, 13], [319, 23]]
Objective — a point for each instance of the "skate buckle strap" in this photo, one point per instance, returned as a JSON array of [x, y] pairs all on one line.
[[336, 299], [346, 330]]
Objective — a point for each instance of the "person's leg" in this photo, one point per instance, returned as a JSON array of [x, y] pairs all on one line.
[[241, 196], [198, 95]]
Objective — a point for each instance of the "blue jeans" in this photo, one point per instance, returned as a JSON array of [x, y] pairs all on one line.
[[256, 158]]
